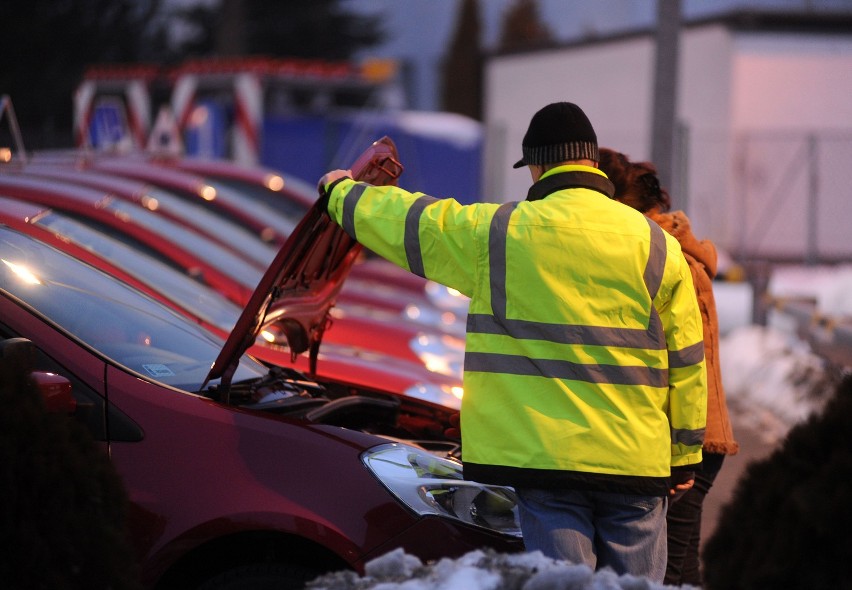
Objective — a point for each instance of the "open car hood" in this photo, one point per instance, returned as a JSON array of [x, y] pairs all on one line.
[[301, 285]]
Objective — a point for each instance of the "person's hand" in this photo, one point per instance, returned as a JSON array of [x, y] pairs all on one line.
[[454, 431], [330, 177], [327, 179], [682, 482]]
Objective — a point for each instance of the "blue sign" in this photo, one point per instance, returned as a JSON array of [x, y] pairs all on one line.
[[206, 131], [108, 127]]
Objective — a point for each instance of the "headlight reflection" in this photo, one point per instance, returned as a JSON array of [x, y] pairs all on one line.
[[440, 353], [444, 395]]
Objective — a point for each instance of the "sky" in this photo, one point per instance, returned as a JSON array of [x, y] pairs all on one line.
[[769, 374], [422, 48], [418, 32]]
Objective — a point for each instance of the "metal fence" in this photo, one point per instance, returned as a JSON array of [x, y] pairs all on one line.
[[773, 196], [770, 198]]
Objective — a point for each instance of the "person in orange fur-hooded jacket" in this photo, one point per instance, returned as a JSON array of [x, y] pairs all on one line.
[[637, 185]]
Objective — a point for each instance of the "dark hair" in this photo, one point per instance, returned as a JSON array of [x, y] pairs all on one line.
[[636, 183]]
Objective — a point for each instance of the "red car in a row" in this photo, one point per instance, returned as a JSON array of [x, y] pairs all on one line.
[[240, 475], [148, 220], [267, 205], [347, 367]]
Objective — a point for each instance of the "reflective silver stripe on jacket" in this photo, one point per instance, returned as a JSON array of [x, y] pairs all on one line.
[[688, 438], [349, 204], [413, 253], [492, 362], [497, 236], [691, 355], [656, 265], [565, 334]]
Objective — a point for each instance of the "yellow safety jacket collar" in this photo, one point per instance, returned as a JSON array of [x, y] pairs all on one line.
[[575, 179]]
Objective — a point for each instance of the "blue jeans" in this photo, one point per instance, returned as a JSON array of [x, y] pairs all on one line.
[[626, 533]]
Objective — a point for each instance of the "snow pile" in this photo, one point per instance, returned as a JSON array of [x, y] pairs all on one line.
[[771, 378], [482, 570]]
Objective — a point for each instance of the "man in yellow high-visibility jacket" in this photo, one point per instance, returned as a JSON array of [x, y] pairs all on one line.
[[585, 385]]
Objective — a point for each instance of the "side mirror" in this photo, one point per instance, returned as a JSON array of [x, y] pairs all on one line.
[[55, 392], [19, 355]]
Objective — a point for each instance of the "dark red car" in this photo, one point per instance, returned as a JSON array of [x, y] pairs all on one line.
[[240, 475], [338, 366]]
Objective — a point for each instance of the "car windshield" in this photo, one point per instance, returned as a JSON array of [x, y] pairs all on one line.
[[259, 210], [290, 207], [236, 236], [198, 299], [119, 322], [217, 256]]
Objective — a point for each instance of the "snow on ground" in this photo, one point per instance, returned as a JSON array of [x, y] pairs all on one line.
[[480, 570], [771, 378]]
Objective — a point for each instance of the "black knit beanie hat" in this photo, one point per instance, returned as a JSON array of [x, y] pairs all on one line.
[[558, 132]]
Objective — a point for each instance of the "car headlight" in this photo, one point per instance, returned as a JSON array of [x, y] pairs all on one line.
[[433, 485]]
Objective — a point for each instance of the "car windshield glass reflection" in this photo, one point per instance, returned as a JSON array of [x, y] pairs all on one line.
[[216, 256], [257, 209], [195, 297], [119, 322], [293, 209], [235, 236]]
